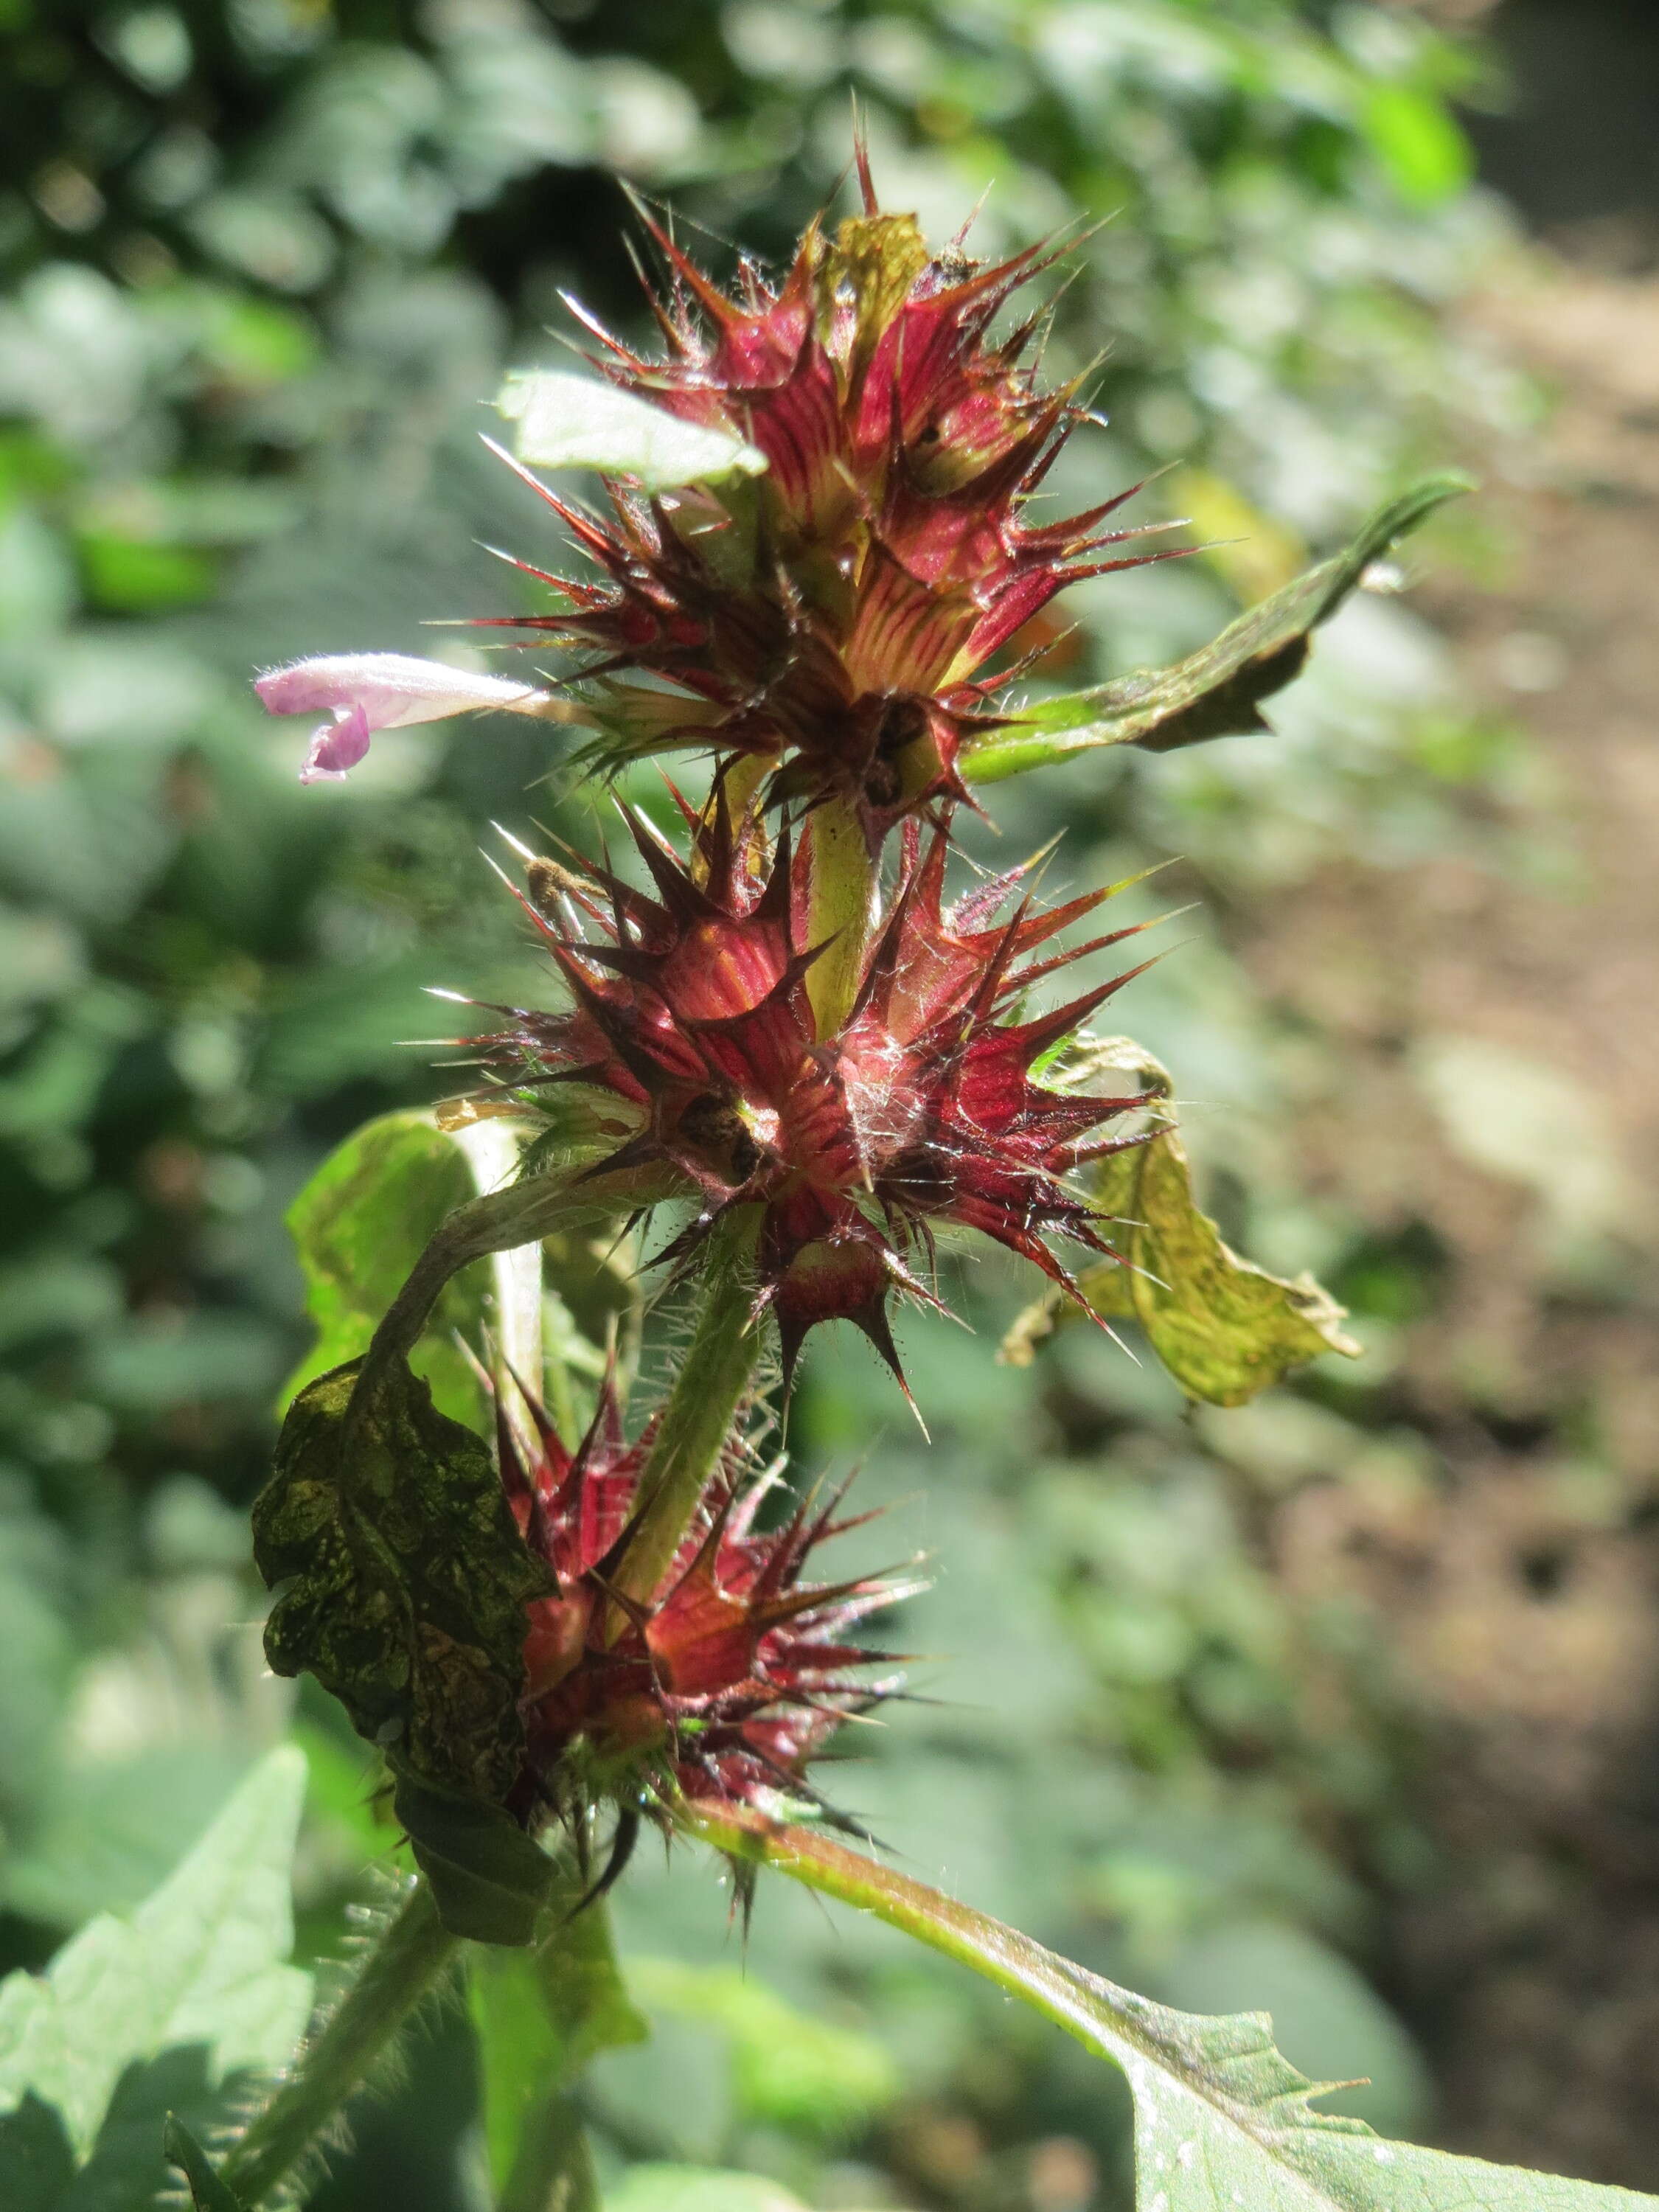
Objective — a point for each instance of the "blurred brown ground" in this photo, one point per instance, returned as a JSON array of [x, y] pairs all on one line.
[[1517, 1588]]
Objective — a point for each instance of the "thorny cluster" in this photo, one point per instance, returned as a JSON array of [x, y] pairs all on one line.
[[835, 1066], [833, 618], [722, 1684], [691, 1011]]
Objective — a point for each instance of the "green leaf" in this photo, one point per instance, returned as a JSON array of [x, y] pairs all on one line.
[[1224, 1328], [104, 1831], [790, 2069], [407, 1582], [200, 1962], [1218, 691], [540, 2014], [125, 576], [1222, 2120], [490, 1879], [697, 2189], [358, 1226], [578, 422], [1417, 138], [1319, 2000], [207, 2191], [37, 2166]]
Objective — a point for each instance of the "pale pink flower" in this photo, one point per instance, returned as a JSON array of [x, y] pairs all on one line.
[[368, 691]]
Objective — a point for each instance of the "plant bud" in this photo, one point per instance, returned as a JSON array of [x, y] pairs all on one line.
[[727, 1682]]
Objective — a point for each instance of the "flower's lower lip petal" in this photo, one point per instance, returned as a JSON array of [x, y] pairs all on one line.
[[336, 748]]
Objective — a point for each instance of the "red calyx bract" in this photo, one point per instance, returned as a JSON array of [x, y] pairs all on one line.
[[690, 1009], [836, 615], [727, 1682]]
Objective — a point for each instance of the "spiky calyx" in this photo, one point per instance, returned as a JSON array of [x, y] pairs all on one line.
[[690, 1012], [835, 617], [726, 1680]]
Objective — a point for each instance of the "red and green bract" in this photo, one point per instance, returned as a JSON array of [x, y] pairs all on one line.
[[690, 1009], [835, 617], [727, 1680]]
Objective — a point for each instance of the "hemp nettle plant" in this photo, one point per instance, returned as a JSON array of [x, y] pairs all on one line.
[[777, 1056]]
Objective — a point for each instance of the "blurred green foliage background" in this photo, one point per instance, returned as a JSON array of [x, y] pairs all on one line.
[[264, 259]]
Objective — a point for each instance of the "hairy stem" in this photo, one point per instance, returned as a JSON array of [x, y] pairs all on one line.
[[501, 1220], [407, 1962], [1111, 2022], [521, 1214], [540, 2015], [554, 2171], [717, 1370], [841, 913]]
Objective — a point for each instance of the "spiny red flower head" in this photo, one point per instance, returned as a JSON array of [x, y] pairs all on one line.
[[733, 1675], [836, 615], [691, 1009]]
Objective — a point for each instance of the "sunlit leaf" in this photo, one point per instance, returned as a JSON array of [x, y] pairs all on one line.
[[106, 1830], [1222, 2120], [578, 422], [358, 1226], [200, 1962], [1216, 692], [1224, 1328], [1320, 2002], [373, 1207]]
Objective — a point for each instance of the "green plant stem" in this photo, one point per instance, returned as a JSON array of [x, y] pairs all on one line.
[[841, 913], [405, 1965], [541, 2014], [554, 2171], [1049, 1984], [717, 1370], [523, 1213]]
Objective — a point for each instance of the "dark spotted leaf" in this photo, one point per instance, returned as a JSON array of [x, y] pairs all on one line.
[[405, 1585], [1216, 692]]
